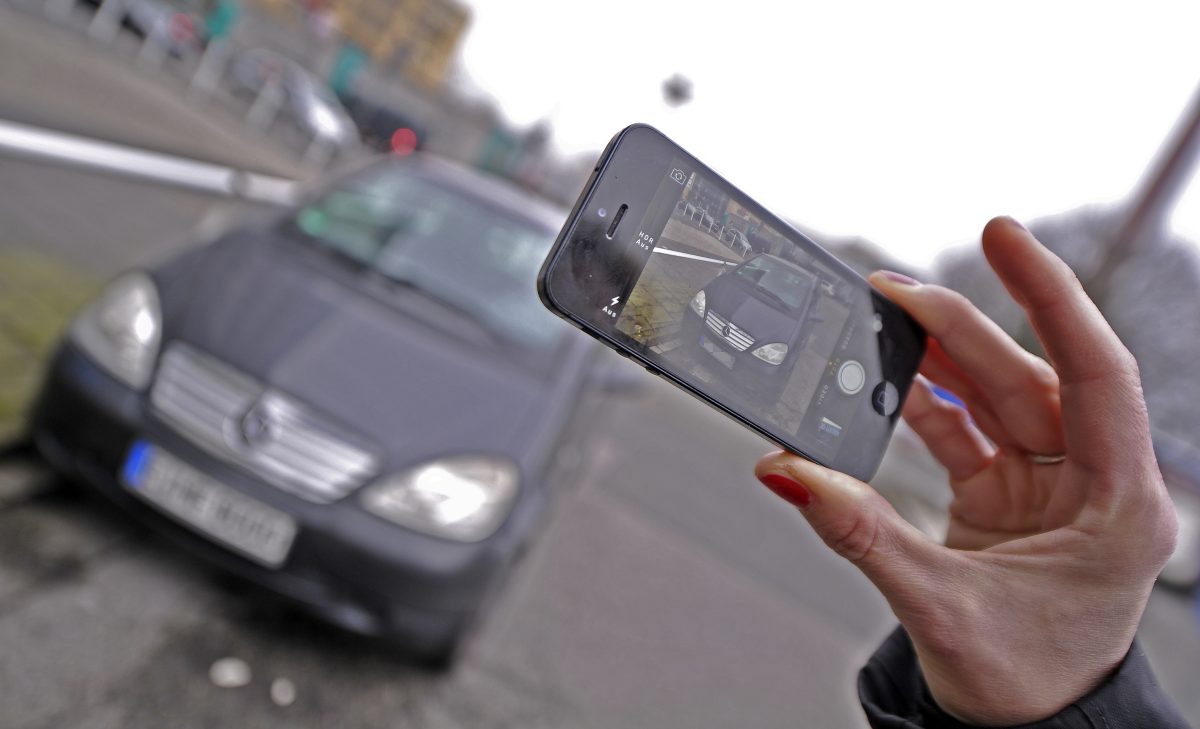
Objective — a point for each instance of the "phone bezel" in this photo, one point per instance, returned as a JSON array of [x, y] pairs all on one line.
[[863, 470]]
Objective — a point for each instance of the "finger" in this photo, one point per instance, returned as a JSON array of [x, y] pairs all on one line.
[[941, 370], [948, 432], [1103, 410], [855, 521], [1020, 389]]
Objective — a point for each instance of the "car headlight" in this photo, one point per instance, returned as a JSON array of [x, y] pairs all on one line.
[[121, 329], [463, 498], [698, 304], [772, 353]]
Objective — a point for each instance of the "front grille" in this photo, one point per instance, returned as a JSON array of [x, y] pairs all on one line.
[[236, 418], [735, 335]]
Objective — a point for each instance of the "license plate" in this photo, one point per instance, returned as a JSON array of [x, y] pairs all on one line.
[[227, 516], [718, 354]]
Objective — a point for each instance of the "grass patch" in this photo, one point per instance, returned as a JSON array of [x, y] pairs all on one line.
[[38, 297]]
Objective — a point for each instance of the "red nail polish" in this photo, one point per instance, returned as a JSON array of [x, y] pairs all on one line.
[[900, 278], [791, 491]]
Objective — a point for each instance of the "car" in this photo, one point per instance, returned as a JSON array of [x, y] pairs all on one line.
[[736, 240], [382, 127], [354, 405], [752, 321], [311, 105]]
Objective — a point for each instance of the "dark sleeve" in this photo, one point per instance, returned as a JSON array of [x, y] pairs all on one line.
[[894, 695]]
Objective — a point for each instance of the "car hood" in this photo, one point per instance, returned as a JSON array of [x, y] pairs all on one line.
[[399, 375], [740, 304]]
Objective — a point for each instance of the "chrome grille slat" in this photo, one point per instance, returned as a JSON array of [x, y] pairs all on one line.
[[738, 337], [311, 434], [350, 466], [198, 406], [215, 399], [206, 400]]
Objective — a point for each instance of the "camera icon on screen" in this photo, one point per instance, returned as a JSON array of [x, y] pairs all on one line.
[[678, 175]]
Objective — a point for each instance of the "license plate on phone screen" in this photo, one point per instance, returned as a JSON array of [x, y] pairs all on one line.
[[227, 516], [721, 356]]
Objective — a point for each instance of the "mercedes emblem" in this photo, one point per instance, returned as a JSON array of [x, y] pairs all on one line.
[[257, 426]]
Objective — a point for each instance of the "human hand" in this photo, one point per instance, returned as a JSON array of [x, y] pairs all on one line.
[[1036, 595]]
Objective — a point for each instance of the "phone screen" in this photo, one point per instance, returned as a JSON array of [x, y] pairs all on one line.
[[710, 288]]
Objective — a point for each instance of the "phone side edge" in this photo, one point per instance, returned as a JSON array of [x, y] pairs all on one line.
[[564, 233]]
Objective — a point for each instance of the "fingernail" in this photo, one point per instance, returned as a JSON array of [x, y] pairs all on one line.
[[791, 491], [1016, 222], [900, 278]]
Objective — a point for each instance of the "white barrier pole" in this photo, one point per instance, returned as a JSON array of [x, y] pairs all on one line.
[[107, 20], [155, 46], [266, 105], [24, 141], [211, 65]]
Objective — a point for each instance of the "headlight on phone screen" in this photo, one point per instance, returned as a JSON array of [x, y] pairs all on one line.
[[772, 353], [464, 498], [121, 330], [698, 304]]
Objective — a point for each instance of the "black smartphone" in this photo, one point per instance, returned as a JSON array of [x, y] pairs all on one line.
[[672, 266]]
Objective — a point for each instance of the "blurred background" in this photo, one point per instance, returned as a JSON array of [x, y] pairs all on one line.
[[322, 460]]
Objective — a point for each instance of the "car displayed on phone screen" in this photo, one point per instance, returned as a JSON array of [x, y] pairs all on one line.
[[354, 406], [752, 320]]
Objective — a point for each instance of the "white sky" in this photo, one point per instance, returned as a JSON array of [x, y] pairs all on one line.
[[909, 123]]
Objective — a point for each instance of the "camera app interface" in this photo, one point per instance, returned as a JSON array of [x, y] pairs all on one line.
[[745, 313]]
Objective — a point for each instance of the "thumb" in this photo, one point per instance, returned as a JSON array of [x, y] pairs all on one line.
[[854, 520]]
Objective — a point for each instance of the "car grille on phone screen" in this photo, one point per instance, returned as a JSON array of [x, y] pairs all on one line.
[[729, 331], [236, 418]]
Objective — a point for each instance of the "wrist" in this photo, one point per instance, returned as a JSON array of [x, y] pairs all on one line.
[[1000, 690]]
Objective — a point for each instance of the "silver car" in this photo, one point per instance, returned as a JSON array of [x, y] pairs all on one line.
[[310, 103]]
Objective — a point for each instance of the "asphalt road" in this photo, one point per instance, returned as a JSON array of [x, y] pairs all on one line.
[[668, 590]]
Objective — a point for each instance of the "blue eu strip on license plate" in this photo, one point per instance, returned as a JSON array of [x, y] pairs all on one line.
[[136, 463]]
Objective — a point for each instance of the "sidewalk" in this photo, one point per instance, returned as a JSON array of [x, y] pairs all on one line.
[[55, 78]]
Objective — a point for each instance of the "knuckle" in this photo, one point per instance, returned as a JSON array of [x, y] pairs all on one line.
[[1129, 364], [1041, 376], [953, 310], [1165, 532], [856, 538], [1070, 278], [960, 418]]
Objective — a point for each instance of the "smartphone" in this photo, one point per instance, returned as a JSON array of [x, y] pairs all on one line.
[[670, 265]]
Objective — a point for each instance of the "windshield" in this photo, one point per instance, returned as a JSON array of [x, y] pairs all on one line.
[[471, 255], [782, 282]]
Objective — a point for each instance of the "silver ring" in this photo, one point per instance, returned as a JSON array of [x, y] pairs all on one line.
[[1038, 459]]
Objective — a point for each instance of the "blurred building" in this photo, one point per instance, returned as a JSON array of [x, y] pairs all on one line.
[[706, 196], [414, 40], [395, 61]]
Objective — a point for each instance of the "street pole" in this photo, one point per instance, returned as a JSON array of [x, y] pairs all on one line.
[[1155, 196]]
